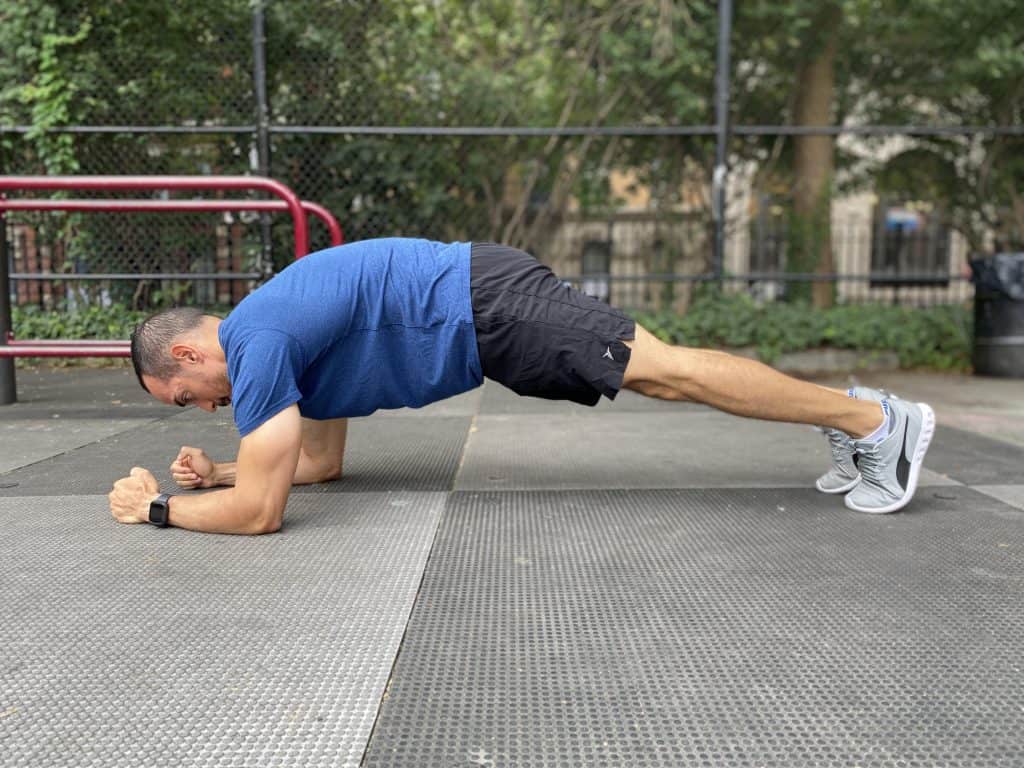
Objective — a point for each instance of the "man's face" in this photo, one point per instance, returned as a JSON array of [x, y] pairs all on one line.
[[204, 385]]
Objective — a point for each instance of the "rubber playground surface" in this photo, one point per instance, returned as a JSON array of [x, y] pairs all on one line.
[[500, 581]]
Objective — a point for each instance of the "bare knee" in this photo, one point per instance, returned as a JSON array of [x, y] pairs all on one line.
[[654, 368]]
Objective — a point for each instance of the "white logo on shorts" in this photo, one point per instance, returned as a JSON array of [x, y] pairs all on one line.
[[608, 354]]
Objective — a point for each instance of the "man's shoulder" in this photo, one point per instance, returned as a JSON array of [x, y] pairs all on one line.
[[247, 327]]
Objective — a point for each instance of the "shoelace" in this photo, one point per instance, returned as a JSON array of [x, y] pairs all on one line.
[[839, 443], [871, 464]]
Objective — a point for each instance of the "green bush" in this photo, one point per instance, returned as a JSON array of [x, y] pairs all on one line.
[[936, 337], [114, 322]]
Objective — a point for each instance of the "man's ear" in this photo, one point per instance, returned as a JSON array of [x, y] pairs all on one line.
[[185, 353]]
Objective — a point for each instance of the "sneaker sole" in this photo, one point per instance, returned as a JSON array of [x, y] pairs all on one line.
[[924, 439], [841, 489]]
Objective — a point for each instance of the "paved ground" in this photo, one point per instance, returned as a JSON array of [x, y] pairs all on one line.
[[508, 582]]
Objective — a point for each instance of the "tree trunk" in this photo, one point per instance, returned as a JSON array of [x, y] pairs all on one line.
[[813, 165]]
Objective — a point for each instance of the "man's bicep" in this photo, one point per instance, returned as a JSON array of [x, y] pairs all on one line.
[[266, 462], [264, 372]]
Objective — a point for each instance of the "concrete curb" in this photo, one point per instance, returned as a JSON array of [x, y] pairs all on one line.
[[826, 360]]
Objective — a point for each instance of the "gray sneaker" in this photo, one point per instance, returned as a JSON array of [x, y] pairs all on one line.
[[844, 475], [890, 467]]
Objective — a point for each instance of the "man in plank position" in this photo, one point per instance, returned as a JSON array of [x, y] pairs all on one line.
[[396, 323]]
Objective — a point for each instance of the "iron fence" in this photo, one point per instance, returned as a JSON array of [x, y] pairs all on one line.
[[591, 139]]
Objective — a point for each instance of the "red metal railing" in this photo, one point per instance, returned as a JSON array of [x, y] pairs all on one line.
[[10, 347], [178, 206], [69, 349], [135, 183]]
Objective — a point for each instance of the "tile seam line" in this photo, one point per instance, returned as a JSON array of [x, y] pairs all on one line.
[[465, 447], [419, 589], [405, 629], [131, 428]]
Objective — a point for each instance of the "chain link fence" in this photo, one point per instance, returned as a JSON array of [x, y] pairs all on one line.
[[473, 121]]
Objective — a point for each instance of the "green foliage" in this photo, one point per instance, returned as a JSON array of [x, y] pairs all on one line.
[[508, 62], [946, 62], [902, 62], [936, 337], [50, 95], [94, 322], [113, 322], [494, 62]]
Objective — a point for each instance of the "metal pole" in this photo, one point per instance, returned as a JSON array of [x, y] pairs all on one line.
[[719, 177], [8, 387], [259, 64]]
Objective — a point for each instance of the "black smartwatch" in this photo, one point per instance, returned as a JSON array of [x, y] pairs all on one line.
[[159, 509]]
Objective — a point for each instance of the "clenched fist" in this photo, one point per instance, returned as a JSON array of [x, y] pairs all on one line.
[[129, 501], [193, 469]]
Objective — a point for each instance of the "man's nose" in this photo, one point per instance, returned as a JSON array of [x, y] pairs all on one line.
[[209, 406]]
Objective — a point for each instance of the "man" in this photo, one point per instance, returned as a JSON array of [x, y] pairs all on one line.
[[400, 323]]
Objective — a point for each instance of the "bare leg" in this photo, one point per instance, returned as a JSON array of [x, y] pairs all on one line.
[[742, 387]]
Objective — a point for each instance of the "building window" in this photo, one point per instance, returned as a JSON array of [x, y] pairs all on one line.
[[767, 236], [597, 267], [910, 245]]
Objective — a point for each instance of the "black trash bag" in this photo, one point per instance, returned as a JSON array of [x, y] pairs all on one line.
[[1002, 273]]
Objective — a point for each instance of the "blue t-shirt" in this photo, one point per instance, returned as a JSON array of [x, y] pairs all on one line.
[[342, 332]]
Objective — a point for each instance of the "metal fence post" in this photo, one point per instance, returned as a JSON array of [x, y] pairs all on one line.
[[259, 66], [718, 179], [8, 387]]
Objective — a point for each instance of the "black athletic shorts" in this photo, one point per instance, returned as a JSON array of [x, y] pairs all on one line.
[[541, 337]]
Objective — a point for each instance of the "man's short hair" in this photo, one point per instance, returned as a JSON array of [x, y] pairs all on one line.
[[152, 339]]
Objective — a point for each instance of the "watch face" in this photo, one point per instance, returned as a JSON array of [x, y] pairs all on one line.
[[158, 509]]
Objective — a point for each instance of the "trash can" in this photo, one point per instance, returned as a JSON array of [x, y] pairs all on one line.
[[999, 315]]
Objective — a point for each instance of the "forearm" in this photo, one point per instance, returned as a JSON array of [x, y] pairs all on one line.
[[262, 477], [225, 472], [222, 511], [307, 471]]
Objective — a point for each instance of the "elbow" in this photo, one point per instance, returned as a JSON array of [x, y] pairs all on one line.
[[268, 520], [269, 528], [327, 470], [272, 525]]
